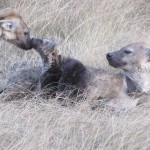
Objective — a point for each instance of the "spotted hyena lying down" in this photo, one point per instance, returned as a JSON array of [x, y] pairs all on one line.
[[62, 74], [134, 61]]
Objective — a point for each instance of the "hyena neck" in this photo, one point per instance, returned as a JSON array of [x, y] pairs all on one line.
[[54, 63], [139, 80], [45, 60]]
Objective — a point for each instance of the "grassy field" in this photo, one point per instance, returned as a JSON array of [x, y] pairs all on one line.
[[86, 30]]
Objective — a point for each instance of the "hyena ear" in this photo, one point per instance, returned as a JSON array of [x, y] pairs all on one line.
[[53, 45], [8, 25]]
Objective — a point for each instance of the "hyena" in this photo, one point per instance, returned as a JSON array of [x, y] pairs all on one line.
[[51, 68], [134, 61], [62, 73], [133, 80], [13, 29]]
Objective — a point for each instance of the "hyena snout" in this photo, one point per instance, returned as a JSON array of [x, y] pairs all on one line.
[[109, 55], [36, 42], [115, 59], [25, 44]]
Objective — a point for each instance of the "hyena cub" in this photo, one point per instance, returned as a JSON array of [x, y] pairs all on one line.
[[62, 74], [20, 83], [51, 68]]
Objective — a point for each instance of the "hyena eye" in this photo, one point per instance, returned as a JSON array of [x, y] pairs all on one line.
[[41, 41], [127, 51], [26, 33]]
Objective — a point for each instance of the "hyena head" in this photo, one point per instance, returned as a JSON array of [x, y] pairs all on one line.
[[13, 29], [130, 57], [47, 50], [48, 47]]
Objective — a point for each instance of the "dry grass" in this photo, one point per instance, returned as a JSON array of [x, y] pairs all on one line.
[[86, 29]]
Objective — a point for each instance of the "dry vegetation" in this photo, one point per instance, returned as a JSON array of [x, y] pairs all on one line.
[[86, 29]]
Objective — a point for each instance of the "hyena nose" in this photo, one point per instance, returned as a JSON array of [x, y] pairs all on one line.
[[109, 55]]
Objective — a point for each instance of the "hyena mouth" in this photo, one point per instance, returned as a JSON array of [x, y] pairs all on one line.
[[116, 64], [25, 47], [22, 45]]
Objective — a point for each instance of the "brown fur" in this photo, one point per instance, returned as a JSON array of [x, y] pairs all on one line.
[[106, 86], [13, 29]]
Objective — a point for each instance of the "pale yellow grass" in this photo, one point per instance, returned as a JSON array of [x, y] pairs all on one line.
[[86, 30]]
